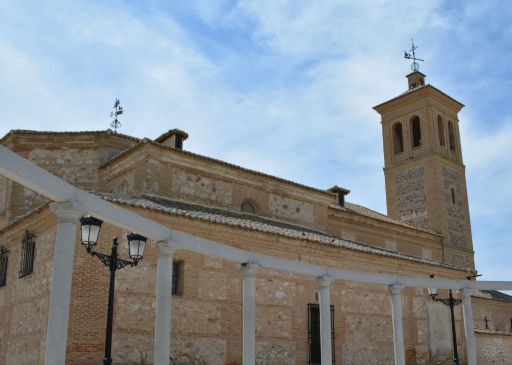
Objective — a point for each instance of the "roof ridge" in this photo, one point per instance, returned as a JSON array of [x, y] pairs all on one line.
[[102, 131]]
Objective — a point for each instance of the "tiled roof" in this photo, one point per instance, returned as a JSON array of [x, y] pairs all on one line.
[[494, 295], [107, 131], [410, 91], [175, 131], [22, 217], [259, 224], [359, 209]]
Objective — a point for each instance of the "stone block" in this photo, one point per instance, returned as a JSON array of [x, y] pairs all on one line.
[[275, 291], [198, 186], [23, 351], [358, 301], [198, 351], [212, 285], [196, 317], [291, 208], [273, 322], [29, 317], [275, 353], [135, 313], [132, 349]]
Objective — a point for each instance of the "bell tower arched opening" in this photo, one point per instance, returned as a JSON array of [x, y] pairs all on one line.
[[440, 130], [451, 135], [415, 132], [398, 138]]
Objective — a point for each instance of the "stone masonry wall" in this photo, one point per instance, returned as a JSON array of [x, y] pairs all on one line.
[[493, 348], [24, 301], [498, 314]]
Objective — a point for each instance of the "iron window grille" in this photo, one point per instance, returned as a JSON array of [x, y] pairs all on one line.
[[27, 254], [314, 334], [177, 278], [4, 258]]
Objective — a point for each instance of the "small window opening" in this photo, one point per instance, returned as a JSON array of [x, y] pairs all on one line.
[[4, 258], [453, 196], [398, 138], [416, 132], [248, 208], [451, 135], [177, 278], [440, 128], [28, 245]]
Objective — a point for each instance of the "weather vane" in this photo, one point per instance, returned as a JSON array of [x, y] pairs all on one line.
[[411, 55], [118, 110]]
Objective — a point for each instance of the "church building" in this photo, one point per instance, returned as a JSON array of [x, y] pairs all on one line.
[[425, 235]]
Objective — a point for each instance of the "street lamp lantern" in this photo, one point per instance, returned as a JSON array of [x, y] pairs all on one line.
[[90, 231], [136, 244], [432, 292]]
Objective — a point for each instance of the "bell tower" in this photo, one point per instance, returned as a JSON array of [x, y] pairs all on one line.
[[423, 168]]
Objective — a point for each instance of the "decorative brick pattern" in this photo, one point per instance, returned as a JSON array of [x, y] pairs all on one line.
[[412, 198]]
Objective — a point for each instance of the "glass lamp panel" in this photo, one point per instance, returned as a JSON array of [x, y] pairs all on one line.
[[90, 234], [136, 249], [136, 244], [90, 230], [432, 291]]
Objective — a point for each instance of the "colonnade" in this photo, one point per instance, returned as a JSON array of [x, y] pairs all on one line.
[[61, 290]]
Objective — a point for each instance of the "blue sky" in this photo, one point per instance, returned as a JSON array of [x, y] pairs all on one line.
[[284, 87]]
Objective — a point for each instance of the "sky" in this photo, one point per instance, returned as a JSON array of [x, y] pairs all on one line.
[[282, 87]]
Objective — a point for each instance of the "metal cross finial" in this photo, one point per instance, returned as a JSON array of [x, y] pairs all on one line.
[[411, 55], [118, 110]]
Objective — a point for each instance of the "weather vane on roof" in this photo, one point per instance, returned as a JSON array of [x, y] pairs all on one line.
[[118, 110], [411, 55]]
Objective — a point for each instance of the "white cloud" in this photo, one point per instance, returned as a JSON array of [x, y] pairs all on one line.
[[296, 102]]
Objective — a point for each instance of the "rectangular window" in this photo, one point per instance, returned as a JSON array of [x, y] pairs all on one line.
[[314, 334], [4, 258], [177, 278], [27, 254]]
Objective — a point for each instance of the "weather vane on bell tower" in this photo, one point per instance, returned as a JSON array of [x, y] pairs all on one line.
[[118, 110], [411, 55]]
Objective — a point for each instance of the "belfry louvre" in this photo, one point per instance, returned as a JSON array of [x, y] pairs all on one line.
[[240, 266]]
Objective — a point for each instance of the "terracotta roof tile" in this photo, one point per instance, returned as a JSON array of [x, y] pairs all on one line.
[[255, 223]]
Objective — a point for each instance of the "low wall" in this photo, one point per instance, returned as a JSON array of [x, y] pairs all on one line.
[[493, 347]]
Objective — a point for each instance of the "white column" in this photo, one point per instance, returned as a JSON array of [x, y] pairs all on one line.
[[398, 328], [325, 319], [249, 313], [165, 252], [468, 325], [58, 310]]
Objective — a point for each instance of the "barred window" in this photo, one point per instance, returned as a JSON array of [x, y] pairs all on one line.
[[177, 278], [4, 258], [27, 254]]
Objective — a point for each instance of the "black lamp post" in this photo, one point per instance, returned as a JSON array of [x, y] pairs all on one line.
[[451, 302], [90, 230]]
